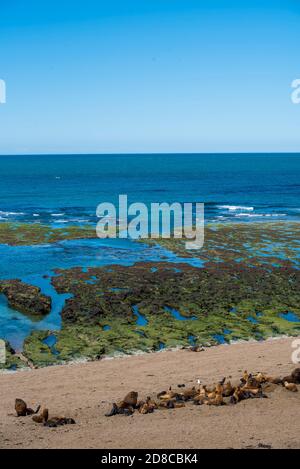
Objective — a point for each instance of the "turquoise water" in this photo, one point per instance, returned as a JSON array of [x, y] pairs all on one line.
[[289, 316], [176, 314], [140, 318], [220, 338]]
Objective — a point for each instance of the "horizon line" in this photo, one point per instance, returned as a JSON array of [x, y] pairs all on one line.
[[156, 153]]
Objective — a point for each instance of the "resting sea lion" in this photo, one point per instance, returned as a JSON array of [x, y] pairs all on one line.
[[22, 409], [130, 400], [189, 393], [57, 421], [218, 400], [42, 418], [290, 386]]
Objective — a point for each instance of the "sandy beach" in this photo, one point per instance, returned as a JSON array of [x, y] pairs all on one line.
[[85, 392]]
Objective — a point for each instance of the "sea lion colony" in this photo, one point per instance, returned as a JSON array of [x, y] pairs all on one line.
[[223, 393]]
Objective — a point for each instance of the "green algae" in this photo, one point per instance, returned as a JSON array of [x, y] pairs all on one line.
[[253, 244], [25, 234], [248, 268]]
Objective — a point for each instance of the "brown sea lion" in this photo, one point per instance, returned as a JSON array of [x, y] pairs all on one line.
[[22, 410], [296, 375], [168, 395], [228, 389], [130, 400], [290, 386], [189, 393], [218, 400], [114, 411], [41, 418], [126, 406], [57, 421]]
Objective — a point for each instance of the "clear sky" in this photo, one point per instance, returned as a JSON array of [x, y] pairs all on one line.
[[105, 76]]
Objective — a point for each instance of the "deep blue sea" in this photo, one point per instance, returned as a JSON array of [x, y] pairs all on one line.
[[61, 190]]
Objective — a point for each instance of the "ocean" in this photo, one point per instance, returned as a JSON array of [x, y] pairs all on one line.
[[66, 189]]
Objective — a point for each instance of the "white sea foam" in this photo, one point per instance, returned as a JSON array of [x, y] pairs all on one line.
[[7, 214], [235, 208], [57, 214], [259, 215]]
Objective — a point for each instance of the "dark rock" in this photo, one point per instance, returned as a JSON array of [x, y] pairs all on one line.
[[25, 298]]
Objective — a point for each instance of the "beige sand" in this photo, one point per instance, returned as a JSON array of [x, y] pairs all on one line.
[[85, 392]]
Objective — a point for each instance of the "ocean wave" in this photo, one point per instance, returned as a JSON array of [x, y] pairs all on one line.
[[236, 208], [259, 215], [7, 214], [57, 214]]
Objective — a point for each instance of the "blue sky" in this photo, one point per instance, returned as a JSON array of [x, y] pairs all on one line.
[[149, 76]]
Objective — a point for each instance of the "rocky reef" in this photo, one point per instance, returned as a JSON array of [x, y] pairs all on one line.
[[25, 234], [25, 298], [214, 304], [247, 288]]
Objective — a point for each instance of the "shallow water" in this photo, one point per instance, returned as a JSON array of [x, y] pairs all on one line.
[[140, 318], [32, 263], [289, 316], [50, 341], [176, 314], [220, 338]]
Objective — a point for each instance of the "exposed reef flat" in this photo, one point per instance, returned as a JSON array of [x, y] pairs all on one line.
[[218, 300], [254, 244], [25, 234], [248, 287]]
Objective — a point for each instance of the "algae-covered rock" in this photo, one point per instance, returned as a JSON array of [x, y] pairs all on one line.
[[25, 298]]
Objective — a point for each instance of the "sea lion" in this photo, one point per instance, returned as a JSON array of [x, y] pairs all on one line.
[[167, 404], [189, 393], [260, 378], [168, 395], [42, 418], [296, 375], [274, 380], [199, 399], [22, 410], [290, 386], [148, 406], [114, 411], [228, 389], [57, 421], [217, 400], [130, 400], [126, 406], [245, 377]]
